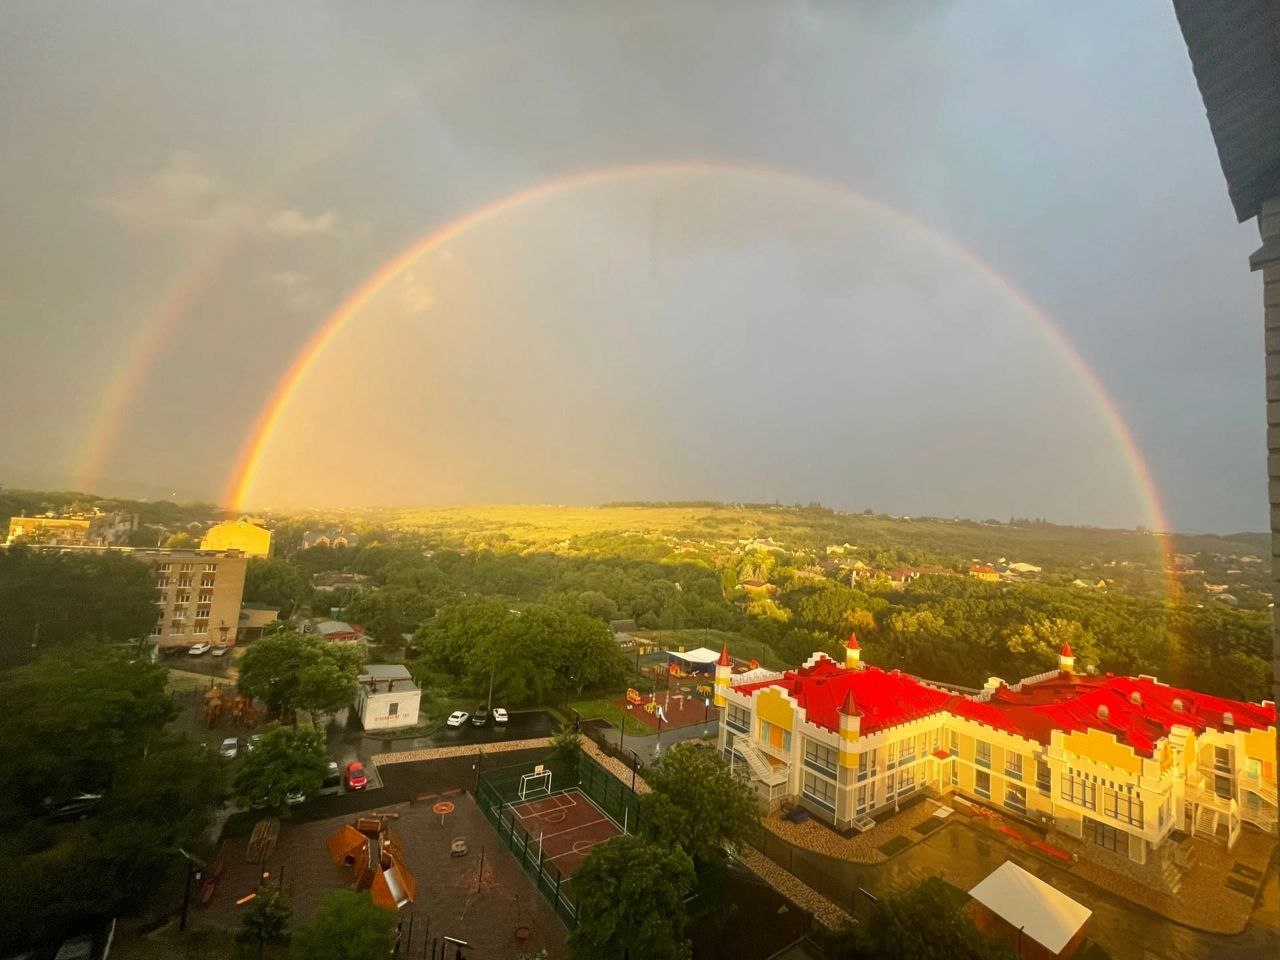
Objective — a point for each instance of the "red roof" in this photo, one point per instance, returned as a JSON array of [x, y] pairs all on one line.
[[724, 660], [1066, 702], [1066, 649], [853, 641]]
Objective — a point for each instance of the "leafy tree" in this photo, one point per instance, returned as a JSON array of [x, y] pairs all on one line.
[[348, 926], [277, 583], [72, 718], [697, 803], [180, 541], [925, 923], [291, 671], [631, 895], [388, 613], [566, 747], [286, 760], [266, 921], [589, 657], [51, 600]]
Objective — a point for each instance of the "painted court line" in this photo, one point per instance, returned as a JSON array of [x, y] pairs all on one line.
[[531, 809], [580, 826]]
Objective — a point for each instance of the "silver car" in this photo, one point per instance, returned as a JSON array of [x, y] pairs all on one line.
[[230, 748]]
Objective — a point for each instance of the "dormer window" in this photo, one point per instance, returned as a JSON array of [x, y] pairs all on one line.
[[1135, 698], [1228, 720], [1103, 711], [1177, 704]]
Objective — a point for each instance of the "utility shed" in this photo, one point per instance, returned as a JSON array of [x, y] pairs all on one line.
[[1036, 920]]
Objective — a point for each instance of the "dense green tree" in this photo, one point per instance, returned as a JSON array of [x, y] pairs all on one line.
[[631, 894], [180, 541], [50, 600], [925, 923], [388, 613], [71, 718], [291, 671], [697, 803], [286, 760], [348, 926], [277, 583], [566, 748], [266, 921]]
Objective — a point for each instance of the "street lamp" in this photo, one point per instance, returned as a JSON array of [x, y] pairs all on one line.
[[195, 867]]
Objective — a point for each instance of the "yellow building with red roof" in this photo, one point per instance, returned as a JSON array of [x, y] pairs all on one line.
[[1125, 766]]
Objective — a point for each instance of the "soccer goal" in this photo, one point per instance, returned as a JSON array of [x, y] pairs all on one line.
[[536, 784]]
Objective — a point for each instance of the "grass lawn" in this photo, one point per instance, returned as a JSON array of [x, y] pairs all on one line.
[[604, 710], [742, 648]]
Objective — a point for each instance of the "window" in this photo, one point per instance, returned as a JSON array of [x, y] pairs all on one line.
[[1105, 836], [184, 581], [1015, 798], [955, 743], [165, 567], [1013, 766], [982, 784], [738, 718], [866, 764], [906, 781], [775, 736], [1044, 779], [951, 766], [908, 751], [1122, 805], [1222, 759], [820, 790], [1222, 786], [862, 798], [185, 568], [819, 757], [393, 709], [210, 567], [1077, 788], [890, 756], [982, 756], [206, 582], [162, 582], [206, 597]]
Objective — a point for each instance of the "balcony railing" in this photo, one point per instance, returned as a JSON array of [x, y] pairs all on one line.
[[821, 768]]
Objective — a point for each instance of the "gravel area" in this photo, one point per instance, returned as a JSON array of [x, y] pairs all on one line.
[[823, 910], [861, 847], [438, 753]]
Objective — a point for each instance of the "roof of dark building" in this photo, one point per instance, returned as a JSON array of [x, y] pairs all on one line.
[[1235, 53]]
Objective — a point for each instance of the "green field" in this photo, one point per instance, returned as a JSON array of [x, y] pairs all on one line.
[[604, 710]]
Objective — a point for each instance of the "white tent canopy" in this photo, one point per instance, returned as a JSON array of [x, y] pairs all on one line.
[[1047, 916], [699, 655]]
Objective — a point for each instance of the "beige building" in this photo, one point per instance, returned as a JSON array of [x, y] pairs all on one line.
[[387, 697], [77, 530], [199, 594], [243, 535], [1117, 769]]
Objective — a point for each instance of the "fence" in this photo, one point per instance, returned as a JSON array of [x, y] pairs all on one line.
[[805, 867], [501, 786]]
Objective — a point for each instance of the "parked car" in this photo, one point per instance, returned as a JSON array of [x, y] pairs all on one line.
[[251, 744], [74, 808], [457, 718], [499, 715], [230, 748], [332, 783], [198, 649], [295, 797], [77, 948], [356, 779], [221, 650], [481, 717]]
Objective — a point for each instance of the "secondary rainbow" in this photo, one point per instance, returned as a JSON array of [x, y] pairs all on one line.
[[241, 482]]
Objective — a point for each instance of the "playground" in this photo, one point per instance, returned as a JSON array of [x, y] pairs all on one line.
[[564, 827], [682, 706]]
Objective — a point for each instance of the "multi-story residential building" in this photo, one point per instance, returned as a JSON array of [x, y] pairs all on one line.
[[1125, 767], [243, 535], [74, 530], [198, 595]]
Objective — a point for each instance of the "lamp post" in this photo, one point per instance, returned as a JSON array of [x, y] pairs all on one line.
[[194, 867]]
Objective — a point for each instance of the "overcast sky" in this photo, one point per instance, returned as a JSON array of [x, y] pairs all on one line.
[[213, 179]]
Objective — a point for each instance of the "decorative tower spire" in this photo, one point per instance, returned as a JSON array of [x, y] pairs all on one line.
[[1066, 662], [724, 670], [853, 653]]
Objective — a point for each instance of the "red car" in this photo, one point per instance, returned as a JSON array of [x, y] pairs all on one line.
[[356, 779]]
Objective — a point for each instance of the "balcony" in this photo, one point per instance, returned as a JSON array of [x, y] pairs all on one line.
[[821, 768]]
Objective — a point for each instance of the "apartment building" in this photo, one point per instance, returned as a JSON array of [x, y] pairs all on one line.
[[73, 530], [198, 595], [1119, 769]]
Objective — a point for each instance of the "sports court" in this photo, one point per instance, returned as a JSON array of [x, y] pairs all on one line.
[[563, 827]]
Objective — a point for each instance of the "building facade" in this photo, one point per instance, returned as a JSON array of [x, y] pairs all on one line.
[[387, 697], [1119, 764], [199, 593], [243, 535], [79, 530]]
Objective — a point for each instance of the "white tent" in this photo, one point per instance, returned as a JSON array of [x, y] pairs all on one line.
[[1025, 902], [700, 660]]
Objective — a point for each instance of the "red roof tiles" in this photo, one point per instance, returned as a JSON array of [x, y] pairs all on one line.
[[1137, 711]]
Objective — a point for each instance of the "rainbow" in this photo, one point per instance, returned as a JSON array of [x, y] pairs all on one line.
[[241, 482]]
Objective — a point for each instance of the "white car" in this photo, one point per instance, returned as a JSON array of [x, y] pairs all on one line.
[[230, 747], [499, 715], [457, 718], [295, 797], [221, 651], [197, 649]]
